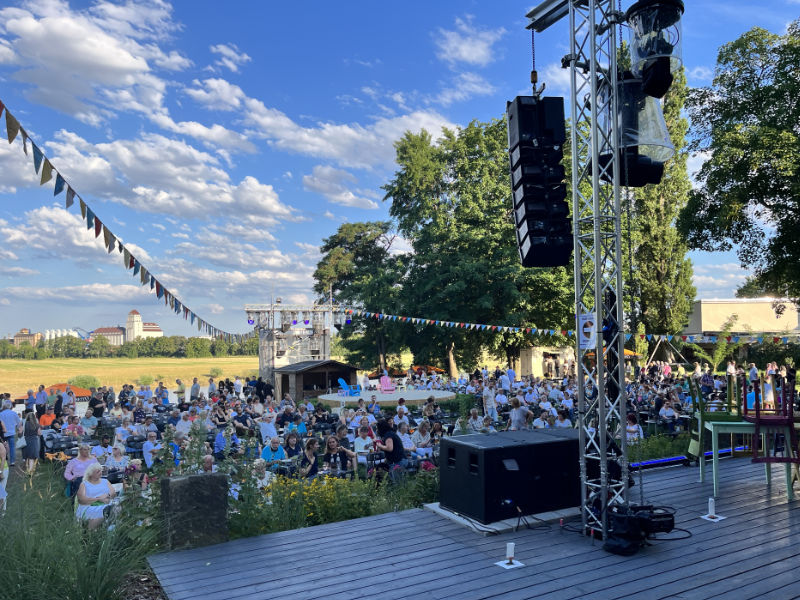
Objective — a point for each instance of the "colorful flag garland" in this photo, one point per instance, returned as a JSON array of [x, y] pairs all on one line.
[[45, 169]]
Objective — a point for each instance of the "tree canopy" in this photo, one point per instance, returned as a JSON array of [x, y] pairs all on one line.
[[747, 124]]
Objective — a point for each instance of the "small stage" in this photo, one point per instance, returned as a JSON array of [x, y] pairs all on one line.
[[753, 553], [412, 397]]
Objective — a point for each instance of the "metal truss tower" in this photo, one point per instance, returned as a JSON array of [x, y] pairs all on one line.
[[592, 63]]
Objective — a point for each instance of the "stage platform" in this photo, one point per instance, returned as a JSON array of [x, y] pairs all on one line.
[[753, 553], [413, 397]]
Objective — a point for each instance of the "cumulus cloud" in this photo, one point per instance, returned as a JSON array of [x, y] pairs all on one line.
[[230, 56], [700, 73], [718, 280], [334, 185], [216, 94], [467, 43], [350, 145], [92, 292], [135, 173], [215, 309], [463, 87]]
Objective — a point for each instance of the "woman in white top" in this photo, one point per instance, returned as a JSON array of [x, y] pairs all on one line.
[[633, 430], [94, 494], [117, 460]]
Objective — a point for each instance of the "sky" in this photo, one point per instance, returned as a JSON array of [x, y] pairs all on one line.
[[222, 142]]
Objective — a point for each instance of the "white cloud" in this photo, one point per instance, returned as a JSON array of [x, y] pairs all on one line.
[[90, 63], [718, 280], [158, 226], [400, 245], [215, 309], [217, 94], [556, 78], [182, 236], [464, 87], [329, 215], [16, 271], [16, 169], [230, 56], [700, 73], [160, 175], [467, 43], [333, 184], [351, 145], [86, 294]]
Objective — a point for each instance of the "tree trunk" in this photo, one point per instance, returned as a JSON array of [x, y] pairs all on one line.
[[381, 343], [451, 360]]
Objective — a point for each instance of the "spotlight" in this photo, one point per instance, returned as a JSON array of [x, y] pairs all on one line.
[[655, 42], [305, 321], [250, 321], [348, 321], [294, 321]]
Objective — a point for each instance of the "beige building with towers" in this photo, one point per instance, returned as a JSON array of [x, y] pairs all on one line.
[[136, 328]]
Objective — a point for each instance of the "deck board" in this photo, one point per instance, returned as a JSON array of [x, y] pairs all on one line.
[[753, 553]]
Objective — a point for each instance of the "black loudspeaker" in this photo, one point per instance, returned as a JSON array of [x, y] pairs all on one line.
[[487, 476]]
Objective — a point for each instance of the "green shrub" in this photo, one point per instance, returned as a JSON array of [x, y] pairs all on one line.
[[145, 380], [85, 381], [215, 371]]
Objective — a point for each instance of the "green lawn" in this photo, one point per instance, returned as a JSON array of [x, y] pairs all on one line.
[[18, 376]]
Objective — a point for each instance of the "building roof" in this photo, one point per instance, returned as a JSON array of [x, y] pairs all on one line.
[[151, 327], [134, 312], [102, 330], [307, 365]]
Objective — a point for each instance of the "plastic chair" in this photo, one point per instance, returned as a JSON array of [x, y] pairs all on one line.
[[387, 386], [354, 390]]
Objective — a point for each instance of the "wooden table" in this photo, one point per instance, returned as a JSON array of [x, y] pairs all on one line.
[[743, 427]]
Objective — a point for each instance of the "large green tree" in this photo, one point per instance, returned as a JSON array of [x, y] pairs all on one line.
[[662, 273], [451, 200], [360, 267], [748, 125]]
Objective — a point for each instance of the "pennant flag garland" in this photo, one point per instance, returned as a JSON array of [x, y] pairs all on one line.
[[47, 172], [98, 227], [37, 157], [89, 218], [70, 199], [60, 183], [12, 127]]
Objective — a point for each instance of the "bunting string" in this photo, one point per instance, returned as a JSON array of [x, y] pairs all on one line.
[[759, 338], [45, 170]]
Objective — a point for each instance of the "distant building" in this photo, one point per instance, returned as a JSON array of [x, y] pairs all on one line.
[[114, 335], [52, 334], [25, 335], [754, 315], [135, 328]]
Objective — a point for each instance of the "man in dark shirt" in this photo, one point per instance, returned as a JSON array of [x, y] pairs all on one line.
[[97, 405], [286, 417], [341, 436]]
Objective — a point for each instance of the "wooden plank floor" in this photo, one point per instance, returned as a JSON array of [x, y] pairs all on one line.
[[753, 553]]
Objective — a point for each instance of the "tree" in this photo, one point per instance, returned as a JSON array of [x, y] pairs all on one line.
[[220, 347], [662, 274], [754, 288], [98, 347], [164, 346], [747, 125], [722, 348], [129, 350], [359, 267], [198, 348], [451, 200]]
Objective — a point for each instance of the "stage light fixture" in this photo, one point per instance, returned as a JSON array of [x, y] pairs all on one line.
[[305, 321], [644, 142], [655, 43], [348, 321]]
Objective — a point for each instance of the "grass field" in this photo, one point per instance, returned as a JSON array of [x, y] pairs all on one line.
[[18, 376]]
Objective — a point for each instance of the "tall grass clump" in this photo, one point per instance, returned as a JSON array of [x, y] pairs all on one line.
[[47, 553]]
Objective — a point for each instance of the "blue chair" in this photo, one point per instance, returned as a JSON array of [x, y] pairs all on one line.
[[350, 390]]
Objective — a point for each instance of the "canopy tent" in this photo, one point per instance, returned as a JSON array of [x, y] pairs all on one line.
[[628, 354], [81, 394]]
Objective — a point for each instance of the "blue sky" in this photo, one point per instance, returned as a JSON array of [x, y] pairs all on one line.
[[223, 141]]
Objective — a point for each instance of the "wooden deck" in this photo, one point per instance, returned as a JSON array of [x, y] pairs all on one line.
[[753, 553]]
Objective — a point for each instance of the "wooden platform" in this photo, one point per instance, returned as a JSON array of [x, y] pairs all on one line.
[[753, 553]]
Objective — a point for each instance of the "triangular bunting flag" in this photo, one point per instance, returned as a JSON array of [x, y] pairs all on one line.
[[683, 337], [60, 183], [107, 238], [47, 172], [2, 106], [126, 259], [152, 282], [649, 337], [89, 218], [112, 242], [12, 126], [38, 157], [136, 267], [83, 207], [159, 290], [24, 141], [143, 276], [98, 227], [70, 197], [627, 336]]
